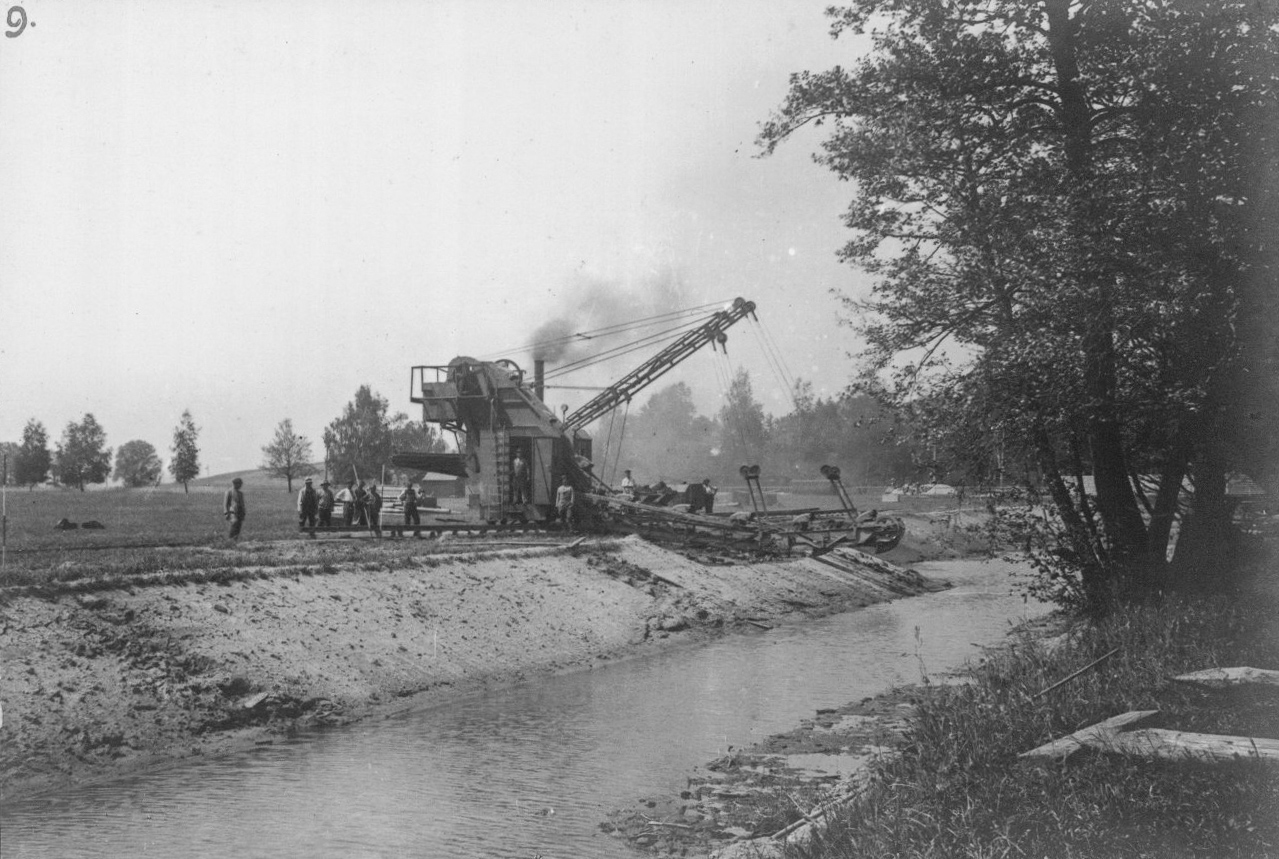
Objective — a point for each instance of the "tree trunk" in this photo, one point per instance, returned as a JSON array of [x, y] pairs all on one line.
[[186, 490], [1116, 503], [1165, 510], [1091, 568]]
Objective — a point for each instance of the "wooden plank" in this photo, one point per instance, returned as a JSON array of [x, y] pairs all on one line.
[[1184, 745], [1108, 730], [1220, 678]]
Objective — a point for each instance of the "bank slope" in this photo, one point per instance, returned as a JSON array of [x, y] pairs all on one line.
[[104, 679]]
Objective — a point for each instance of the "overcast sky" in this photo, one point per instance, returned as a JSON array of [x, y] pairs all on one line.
[[249, 209]]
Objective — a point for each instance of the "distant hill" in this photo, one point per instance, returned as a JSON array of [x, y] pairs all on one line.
[[254, 478]]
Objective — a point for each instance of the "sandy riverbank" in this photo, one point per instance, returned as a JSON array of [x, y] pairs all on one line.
[[102, 682]]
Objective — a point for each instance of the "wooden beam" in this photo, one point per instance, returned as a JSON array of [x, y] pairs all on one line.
[[1220, 678], [1183, 745], [1090, 736]]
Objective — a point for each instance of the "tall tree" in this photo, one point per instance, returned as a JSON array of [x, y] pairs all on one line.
[[137, 464], [742, 423], [288, 455], [82, 455], [1025, 193], [34, 460], [185, 464], [359, 441]]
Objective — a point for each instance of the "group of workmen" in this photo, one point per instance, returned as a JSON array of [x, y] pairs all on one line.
[[361, 505]]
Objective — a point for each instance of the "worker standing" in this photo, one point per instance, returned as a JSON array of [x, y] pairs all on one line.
[[519, 480], [628, 485], [409, 499], [361, 498], [233, 509], [325, 504], [373, 509], [308, 506], [708, 496], [347, 497], [564, 498]]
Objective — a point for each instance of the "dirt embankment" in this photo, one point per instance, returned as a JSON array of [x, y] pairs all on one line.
[[102, 682]]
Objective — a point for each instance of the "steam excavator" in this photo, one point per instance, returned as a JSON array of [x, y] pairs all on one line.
[[495, 413]]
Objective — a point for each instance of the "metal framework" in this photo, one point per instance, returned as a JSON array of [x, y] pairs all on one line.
[[711, 331]]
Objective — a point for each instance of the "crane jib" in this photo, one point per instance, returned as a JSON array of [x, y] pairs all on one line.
[[710, 331]]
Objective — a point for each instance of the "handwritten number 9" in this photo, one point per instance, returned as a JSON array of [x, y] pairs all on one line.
[[17, 18]]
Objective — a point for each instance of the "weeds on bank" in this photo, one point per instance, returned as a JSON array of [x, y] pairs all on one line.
[[957, 789]]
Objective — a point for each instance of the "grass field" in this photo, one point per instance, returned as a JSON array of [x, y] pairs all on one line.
[[141, 517], [164, 531]]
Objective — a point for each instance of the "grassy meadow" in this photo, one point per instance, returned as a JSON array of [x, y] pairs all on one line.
[[165, 532], [137, 517]]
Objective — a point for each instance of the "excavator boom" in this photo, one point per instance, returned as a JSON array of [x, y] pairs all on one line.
[[710, 331]]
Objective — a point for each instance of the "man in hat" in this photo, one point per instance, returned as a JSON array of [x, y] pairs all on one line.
[[233, 508], [325, 504], [308, 506]]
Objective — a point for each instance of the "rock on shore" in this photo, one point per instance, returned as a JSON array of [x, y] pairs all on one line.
[[102, 682]]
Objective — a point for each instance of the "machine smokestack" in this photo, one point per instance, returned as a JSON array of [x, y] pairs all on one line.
[[539, 378]]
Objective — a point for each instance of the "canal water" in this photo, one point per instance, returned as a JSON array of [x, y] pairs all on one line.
[[526, 771]]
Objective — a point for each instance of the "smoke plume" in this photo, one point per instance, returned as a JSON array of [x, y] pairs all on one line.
[[589, 304]]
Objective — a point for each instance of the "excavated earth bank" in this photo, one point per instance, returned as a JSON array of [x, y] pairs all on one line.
[[101, 682]]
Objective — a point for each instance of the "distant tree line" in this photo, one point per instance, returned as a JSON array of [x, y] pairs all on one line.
[[667, 440], [358, 445], [81, 457]]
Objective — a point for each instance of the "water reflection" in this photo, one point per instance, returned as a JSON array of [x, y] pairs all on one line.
[[526, 770]]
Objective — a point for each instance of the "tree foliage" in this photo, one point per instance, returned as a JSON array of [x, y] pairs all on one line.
[[742, 419], [34, 461], [665, 439], [1060, 204], [137, 464], [185, 464], [82, 456], [288, 456], [359, 442], [852, 431]]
